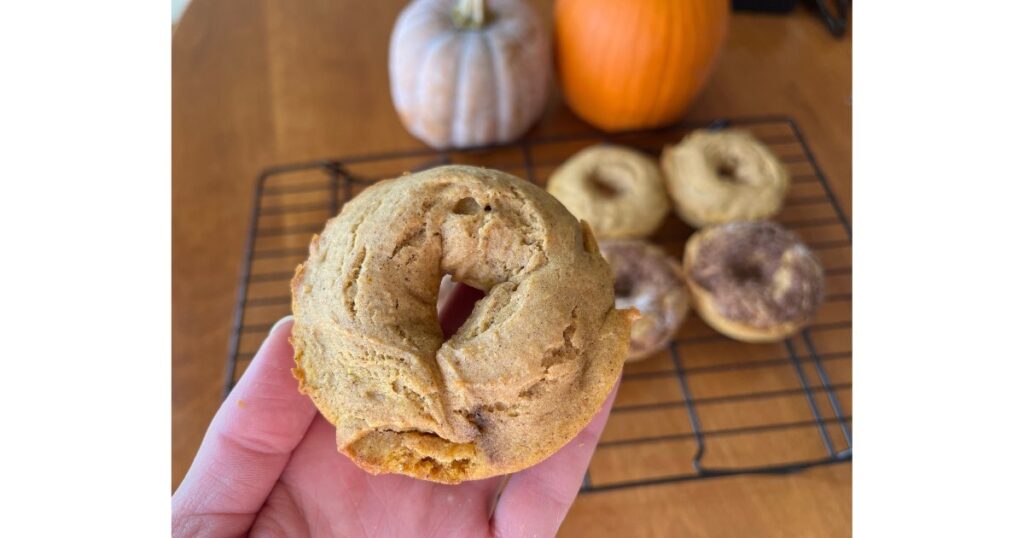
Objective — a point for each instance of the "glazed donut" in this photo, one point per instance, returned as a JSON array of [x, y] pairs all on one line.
[[752, 281], [651, 282], [723, 176], [617, 190], [521, 377]]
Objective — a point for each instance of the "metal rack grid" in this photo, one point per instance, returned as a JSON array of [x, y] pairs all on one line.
[[707, 406]]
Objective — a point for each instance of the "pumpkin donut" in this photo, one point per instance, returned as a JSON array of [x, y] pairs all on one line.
[[723, 176], [521, 377], [619, 191], [753, 281], [651, 282]]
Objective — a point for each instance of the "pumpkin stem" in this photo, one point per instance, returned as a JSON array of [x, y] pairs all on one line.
[[470, 14]]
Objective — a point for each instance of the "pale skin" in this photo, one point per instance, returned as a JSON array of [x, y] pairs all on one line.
[[269, 466]]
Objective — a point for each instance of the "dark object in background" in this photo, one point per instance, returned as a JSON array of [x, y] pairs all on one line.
[[770, 6], [832, 12]]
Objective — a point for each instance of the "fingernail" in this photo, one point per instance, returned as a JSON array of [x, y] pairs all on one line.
[[281, 321]]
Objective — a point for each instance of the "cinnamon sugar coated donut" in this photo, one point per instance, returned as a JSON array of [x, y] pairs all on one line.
[[523, 375], [650, 281], [753, 281], [617, 190], [723, 176]]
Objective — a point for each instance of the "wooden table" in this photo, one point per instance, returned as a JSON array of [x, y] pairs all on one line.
[[257, 83]]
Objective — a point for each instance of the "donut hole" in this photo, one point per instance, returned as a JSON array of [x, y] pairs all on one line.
[[748, 273], [468, 206], [455, 302], [604, 184], [603, 188], [623, 288], [726, 169]]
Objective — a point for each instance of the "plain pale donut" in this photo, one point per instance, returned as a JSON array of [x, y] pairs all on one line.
[[617, 190], [523, 375], [650, 281], [723, 176], [753, 281]]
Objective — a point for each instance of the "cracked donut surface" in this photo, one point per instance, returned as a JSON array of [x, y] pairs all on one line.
[[521, 377]]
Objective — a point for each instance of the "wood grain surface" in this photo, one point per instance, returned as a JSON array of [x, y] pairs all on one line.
[[257, 83]]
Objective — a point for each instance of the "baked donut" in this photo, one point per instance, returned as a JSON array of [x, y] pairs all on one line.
[[752, 281], [650, 281], [617, 190], [723, 176], [521, 377]]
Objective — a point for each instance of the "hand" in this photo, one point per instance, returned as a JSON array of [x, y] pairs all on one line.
[[269, 466]]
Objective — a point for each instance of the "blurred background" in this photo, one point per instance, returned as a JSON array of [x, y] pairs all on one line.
[[259, 83]]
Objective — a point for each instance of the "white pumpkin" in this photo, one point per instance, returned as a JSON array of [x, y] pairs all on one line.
[[468, 73]]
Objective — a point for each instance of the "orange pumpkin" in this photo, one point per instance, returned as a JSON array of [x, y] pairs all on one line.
[[630, 64]]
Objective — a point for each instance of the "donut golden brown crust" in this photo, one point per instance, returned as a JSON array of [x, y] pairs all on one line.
[[523, 375], [722, 176], [650, 281], [617, 190], [752, 281]]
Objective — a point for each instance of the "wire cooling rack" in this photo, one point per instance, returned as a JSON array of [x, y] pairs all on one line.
[[705, 407]]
